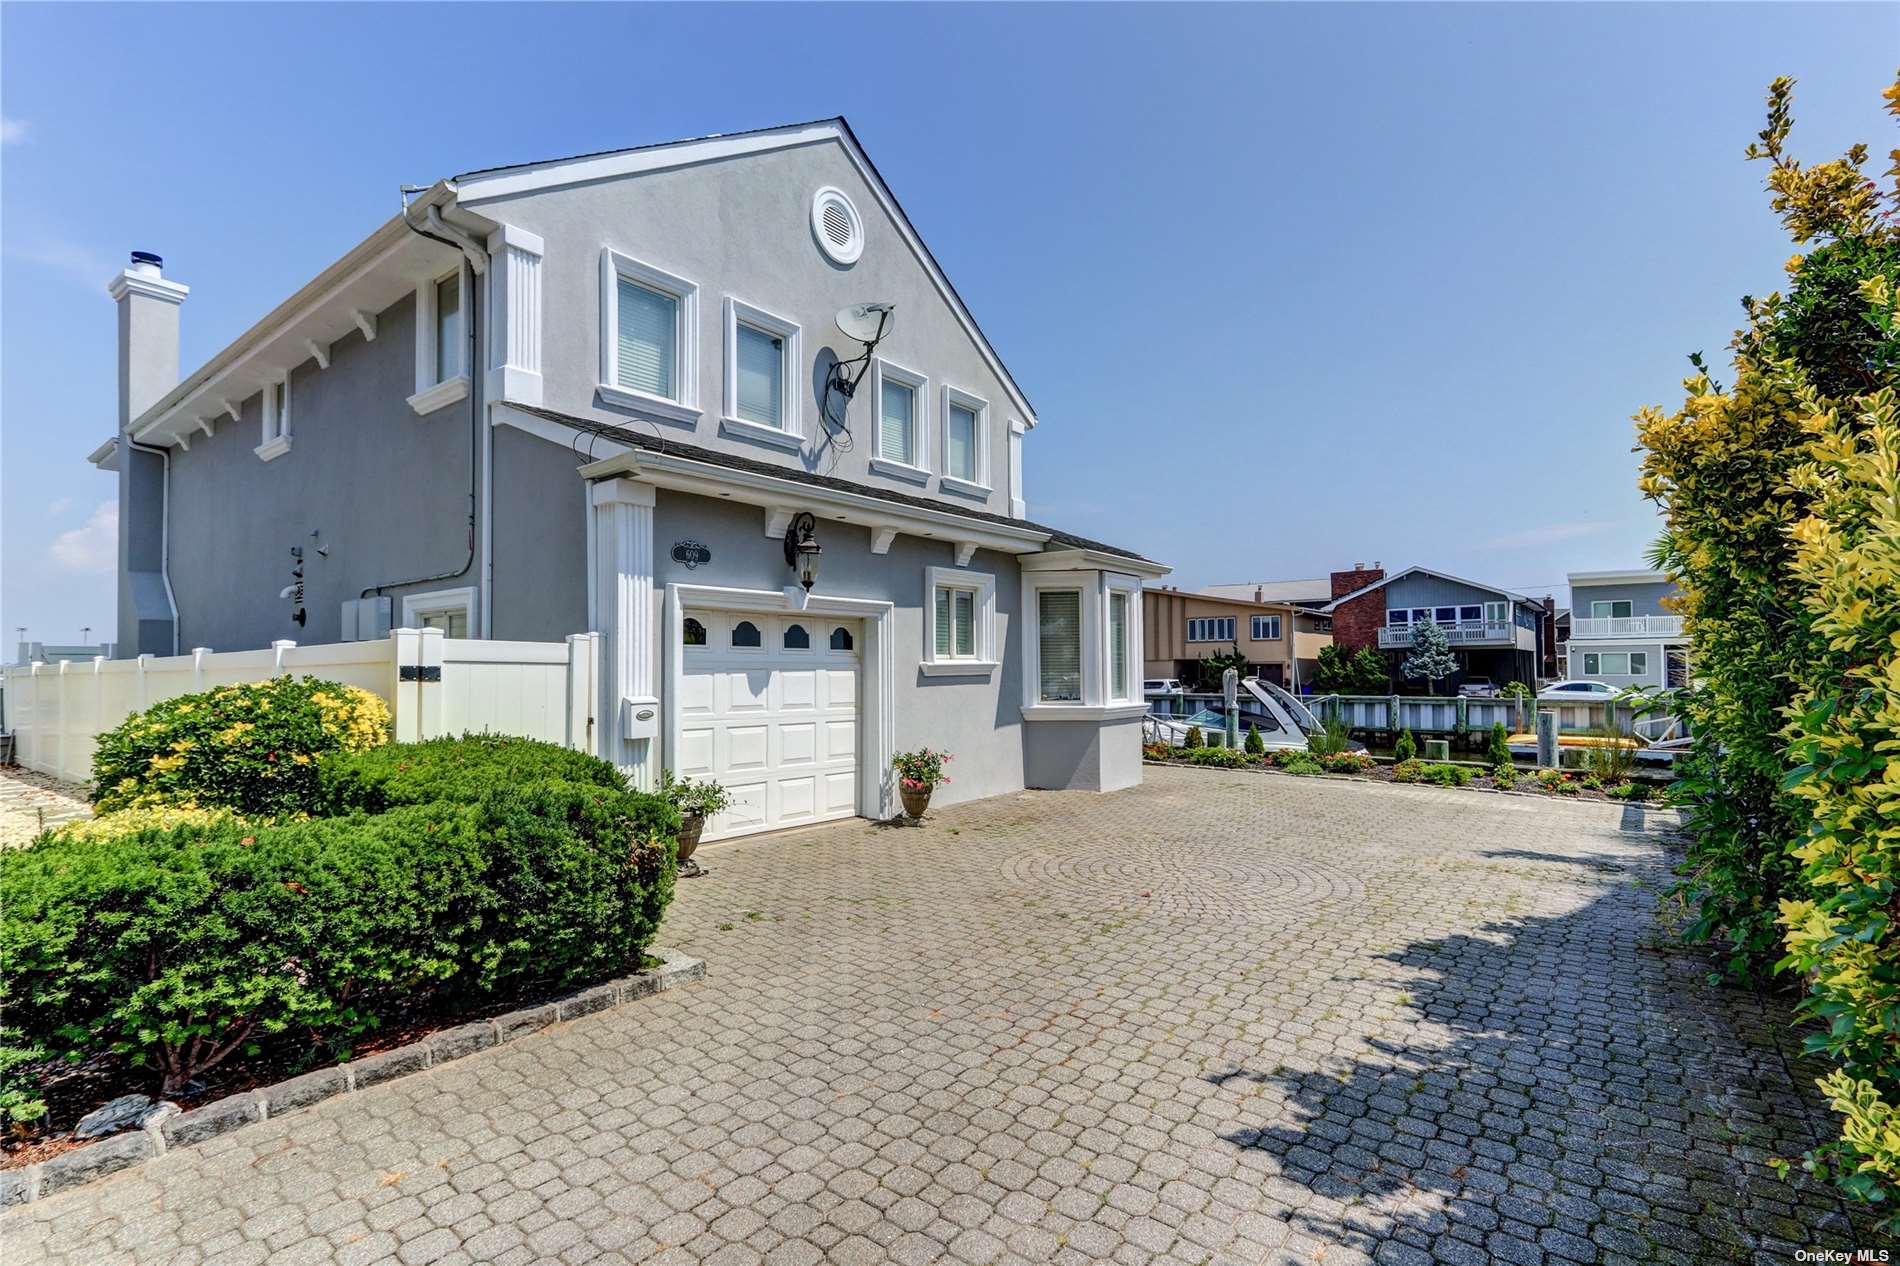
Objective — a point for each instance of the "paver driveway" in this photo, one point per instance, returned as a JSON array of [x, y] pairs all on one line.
[[1218, 1018]]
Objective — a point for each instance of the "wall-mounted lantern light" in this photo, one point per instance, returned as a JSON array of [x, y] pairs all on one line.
[[802, 549]]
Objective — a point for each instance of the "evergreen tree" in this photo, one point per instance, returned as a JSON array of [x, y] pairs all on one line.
[[1431, 656]]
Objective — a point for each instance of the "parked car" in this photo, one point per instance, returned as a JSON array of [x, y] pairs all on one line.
[[1577, 692], [1161, 686], [1478, 688]]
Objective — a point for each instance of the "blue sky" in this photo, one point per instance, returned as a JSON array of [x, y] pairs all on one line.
[[1290, 286]]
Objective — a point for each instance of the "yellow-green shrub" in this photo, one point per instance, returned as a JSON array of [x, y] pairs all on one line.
[[155, 817]]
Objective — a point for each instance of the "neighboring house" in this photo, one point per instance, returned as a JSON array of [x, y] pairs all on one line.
[[1281, 641], [1622, 631], [1494, 632], [1560, 644], [52, 653], [598, 393], [1311, 594]]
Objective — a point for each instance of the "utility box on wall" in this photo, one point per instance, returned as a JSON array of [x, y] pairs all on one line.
[[366, 619]]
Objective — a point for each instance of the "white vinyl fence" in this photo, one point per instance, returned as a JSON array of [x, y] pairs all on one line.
[[434, 686]]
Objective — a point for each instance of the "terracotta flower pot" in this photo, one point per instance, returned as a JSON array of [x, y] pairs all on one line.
[[915, 802], [692, 826]]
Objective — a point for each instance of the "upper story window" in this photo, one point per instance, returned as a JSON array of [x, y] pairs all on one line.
[[1266, 628], [275, 438], [901, 397], [1398, 617], [1446, 615], [1497, 612], [965, 442], [1466, 614], [762, 360], [1619, 609], [1211, 629], [441, 343], [649, 339]]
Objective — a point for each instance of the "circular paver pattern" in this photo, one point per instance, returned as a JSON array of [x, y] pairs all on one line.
[[1176, 879]]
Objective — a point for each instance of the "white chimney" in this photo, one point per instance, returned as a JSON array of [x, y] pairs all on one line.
[[148, 369], [148, 334]]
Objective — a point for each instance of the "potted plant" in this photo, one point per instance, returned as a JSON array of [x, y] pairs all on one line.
[[918, 773], [696, 801]]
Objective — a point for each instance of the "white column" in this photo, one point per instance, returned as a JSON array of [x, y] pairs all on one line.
[[514, 322], [626, 618], [1018, 504]]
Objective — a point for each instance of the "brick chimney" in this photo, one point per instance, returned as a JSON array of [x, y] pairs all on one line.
[[1356, 623]]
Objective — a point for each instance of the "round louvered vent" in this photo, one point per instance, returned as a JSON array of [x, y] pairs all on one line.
[[835, 223]]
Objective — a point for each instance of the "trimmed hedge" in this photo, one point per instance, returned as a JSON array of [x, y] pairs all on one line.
[[465, 871]]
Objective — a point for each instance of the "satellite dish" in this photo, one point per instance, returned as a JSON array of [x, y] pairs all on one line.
[[867, 322]]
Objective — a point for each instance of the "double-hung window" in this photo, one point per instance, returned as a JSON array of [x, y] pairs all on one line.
[[901, 400], [1059, 645], [649, 347], [762, 360], [274, 440], [1266, 628], [965, 442], [959, 624], [441, 343]]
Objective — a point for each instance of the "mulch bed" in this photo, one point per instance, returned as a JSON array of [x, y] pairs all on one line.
[[73, 1090]]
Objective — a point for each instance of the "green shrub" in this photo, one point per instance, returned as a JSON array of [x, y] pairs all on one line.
[[1219, 757], [1498, 751], [1410, 769], [1612, 758], [1629, 791], [1447, 775], [163, 817], [1505, 776], [253, 748], [1255, 746], [1301, 763], [467, 871], [1406, 748], [1335, 736], [459, 769], [1194, 738]]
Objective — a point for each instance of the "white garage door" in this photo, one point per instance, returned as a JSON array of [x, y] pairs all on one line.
[[768, 707]]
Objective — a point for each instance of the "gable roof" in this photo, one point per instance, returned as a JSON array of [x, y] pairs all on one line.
[[487, 184], [1430, 571], [643, 442]]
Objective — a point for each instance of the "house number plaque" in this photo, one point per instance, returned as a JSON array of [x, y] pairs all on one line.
[[691, 553]]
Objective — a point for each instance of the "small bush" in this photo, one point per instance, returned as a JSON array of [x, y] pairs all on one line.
[[161, 817], [1406, 748], [1346, 763], [253, 748], [459, 769], [1195, 739], [1156, 751], [1638, 791], [1447, 775], [1612, 758], [1497, 752], [1301, 763], [1335, 737], [1410, 769], [1255, 745], [1505, 776], [1219, 757]]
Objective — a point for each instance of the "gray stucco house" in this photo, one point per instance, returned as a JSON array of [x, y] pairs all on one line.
[[1623, 632], [608, 393]]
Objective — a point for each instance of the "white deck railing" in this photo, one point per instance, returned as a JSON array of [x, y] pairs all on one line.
[[1462, 633], [1625, 626], [434, 686]]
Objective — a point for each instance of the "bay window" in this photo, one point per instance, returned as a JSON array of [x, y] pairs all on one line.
[[1059, 646]]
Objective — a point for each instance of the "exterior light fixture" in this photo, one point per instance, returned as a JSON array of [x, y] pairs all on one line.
[[802, 549]]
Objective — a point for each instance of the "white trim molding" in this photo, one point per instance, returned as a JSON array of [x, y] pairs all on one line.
[[1094, 586], [916, 470], [877, 657], [978, 484], [790, 433], [985, 658], [514, 315], [683, 408], [1018, 504], [434, 393]]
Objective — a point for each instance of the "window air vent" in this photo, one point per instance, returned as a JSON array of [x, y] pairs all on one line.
[[836, 225]]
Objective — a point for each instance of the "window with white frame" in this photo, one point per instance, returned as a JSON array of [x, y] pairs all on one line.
[[451, 610], [1059, 645], [1616, 664], [965, 441], [762, 359], [1445, 615], [441, 343], [1618, 609], [1469, 615], [649, 339], [1497, 612], [274, 440], [1211, 629], [959, 633], [1266, 628], [1398, 617], [901, 399], [1120, 651]]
